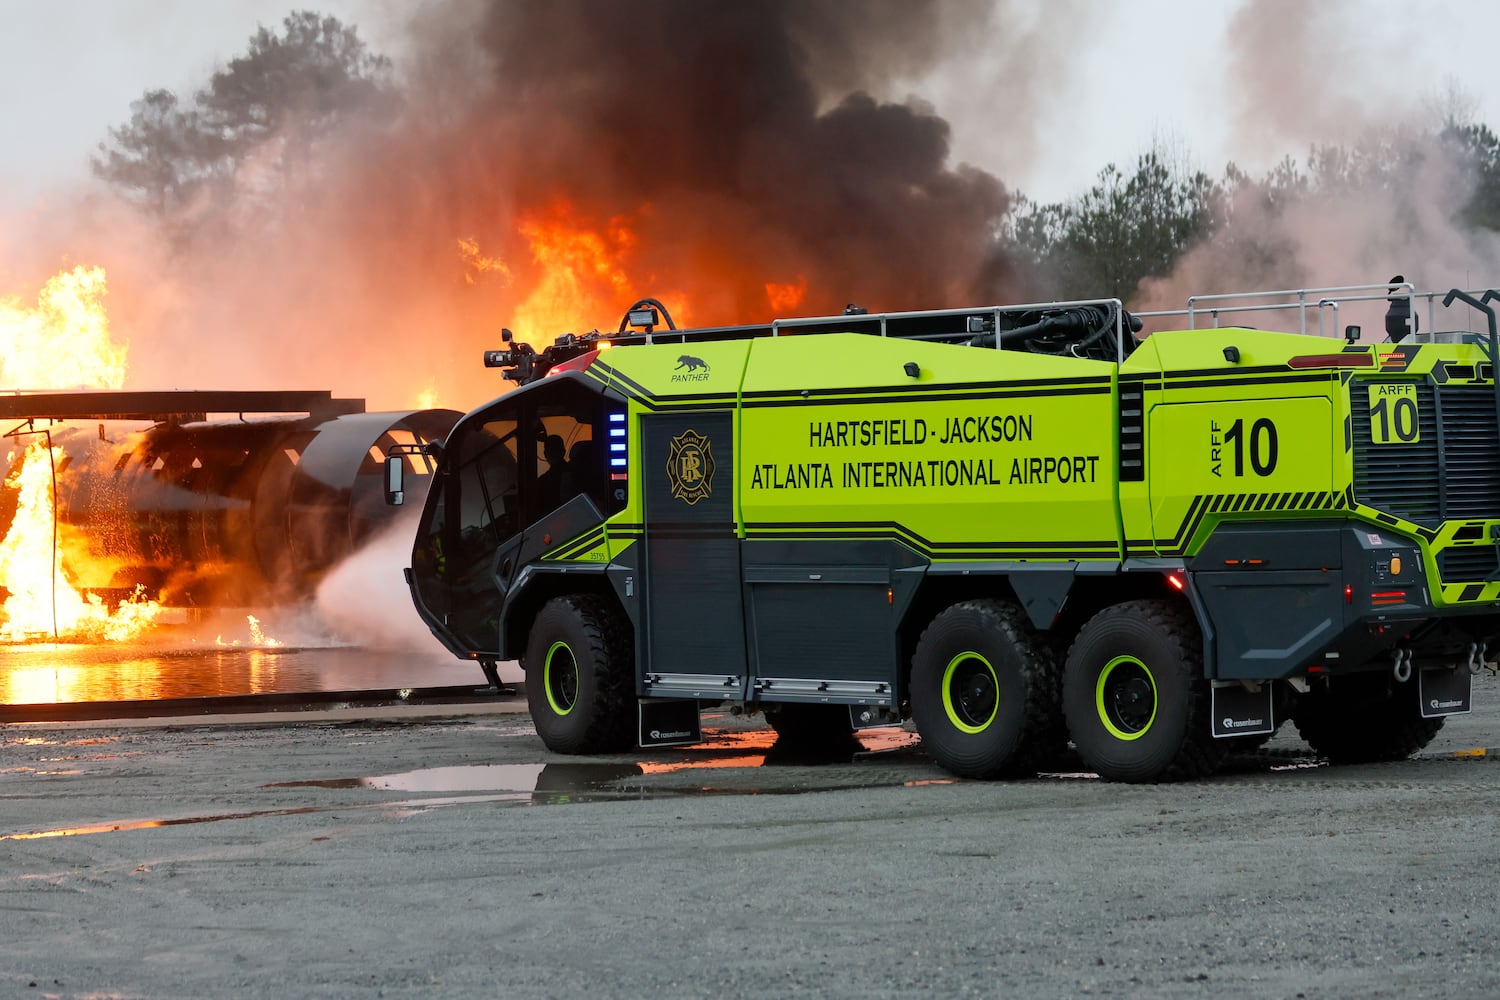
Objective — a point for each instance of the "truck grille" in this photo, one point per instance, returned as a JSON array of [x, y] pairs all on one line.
[[1468, 564], [1451, 471]]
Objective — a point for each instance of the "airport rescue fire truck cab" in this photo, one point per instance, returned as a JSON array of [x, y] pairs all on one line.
[[1014, 526]]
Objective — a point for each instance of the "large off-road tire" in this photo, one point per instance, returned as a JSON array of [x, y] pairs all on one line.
[[579, 676], [984, 691], [1135, 698], [1364, 718]]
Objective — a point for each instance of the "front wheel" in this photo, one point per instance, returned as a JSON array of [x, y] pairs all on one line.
[[984, 691], [579, 673], [1135, 698]]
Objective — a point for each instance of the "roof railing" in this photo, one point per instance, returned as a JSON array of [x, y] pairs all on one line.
[[978, 321], [1320, 300]]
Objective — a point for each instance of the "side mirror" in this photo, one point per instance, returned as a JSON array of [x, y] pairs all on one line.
[[1351, 333], [395, 480]]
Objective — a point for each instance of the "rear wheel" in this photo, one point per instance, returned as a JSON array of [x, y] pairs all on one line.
[[1135, 698], [579, 672], [1364, 718], [984, 691]]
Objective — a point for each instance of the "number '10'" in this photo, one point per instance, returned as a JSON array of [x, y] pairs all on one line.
[[1400, 417], [1262, 446]]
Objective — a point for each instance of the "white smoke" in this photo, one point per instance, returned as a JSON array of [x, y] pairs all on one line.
[[364, 600]]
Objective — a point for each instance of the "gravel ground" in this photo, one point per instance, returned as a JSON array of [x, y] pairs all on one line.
[[391, 853]]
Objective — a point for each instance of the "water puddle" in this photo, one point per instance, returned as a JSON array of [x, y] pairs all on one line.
[[568, 781], [720, 750], [485, 777]]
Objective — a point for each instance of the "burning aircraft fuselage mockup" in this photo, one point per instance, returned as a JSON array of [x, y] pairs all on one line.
[[151, 500]]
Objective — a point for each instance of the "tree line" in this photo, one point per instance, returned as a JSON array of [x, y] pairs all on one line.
[[1137, 222]]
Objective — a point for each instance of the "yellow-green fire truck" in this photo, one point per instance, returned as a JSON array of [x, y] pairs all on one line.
[[1014, 526]]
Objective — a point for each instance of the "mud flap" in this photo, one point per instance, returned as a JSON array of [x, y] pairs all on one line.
[[1238, 711], [669, 722], [1445, 692]]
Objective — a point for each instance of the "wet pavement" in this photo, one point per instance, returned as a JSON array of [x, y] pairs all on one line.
[[215, 663], [731, 744], [739, 756], [415, 851]]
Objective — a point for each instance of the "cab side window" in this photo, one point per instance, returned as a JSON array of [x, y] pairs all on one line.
[[571, 454], [488, 495]]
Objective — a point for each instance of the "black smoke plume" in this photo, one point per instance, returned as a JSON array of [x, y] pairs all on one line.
[[729, 158]]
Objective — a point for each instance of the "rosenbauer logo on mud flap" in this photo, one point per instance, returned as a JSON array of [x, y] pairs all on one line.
[[690, 467], [691, 369]]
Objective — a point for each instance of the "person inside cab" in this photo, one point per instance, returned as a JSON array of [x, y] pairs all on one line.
[[550, 483]]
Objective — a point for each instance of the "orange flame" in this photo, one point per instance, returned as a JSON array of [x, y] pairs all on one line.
[[584, 273], [64, 342], [477, 265], [581, 271], [43, 601], [427, 397], [784, 298], [258, 638]]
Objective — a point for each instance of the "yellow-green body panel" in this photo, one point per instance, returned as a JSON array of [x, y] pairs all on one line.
[[983, 454], [991, 454], [1194, 398]]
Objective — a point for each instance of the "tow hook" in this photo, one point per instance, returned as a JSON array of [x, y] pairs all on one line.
[[1402, 670], [1477, 653]]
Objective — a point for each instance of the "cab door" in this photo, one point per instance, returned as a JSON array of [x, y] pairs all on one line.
[[472, 510], [694, 622]]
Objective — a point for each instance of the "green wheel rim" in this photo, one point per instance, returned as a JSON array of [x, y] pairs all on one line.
[[560, 678], [971, 693], [1126, 698]]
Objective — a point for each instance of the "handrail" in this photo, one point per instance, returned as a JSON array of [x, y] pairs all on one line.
[[1492, 348], [1216, 312], [994, 312], [1301, 293], [1383, 293]]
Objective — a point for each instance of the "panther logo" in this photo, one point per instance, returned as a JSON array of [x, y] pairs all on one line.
[[691, 363]]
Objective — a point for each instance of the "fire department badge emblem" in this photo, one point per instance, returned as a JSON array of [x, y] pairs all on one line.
[[690, 467]]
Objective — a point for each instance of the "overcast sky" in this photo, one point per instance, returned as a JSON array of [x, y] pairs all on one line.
[[1108, 76]]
